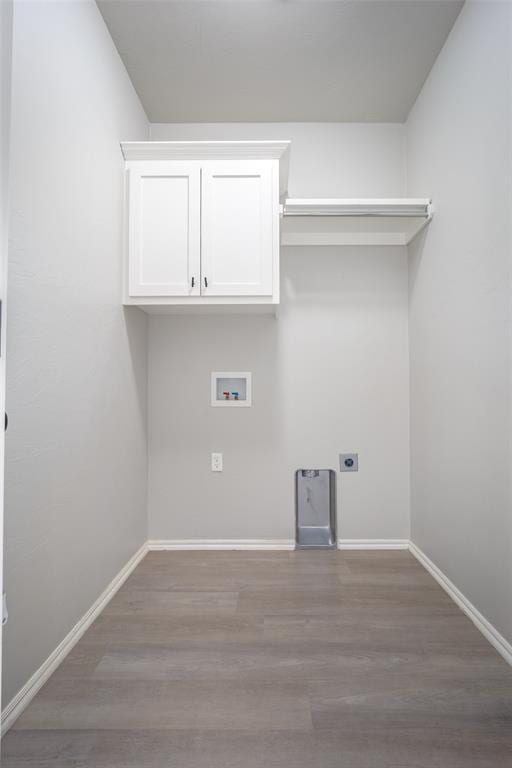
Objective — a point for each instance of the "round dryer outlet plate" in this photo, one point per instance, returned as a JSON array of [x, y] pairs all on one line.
[[349, 462]]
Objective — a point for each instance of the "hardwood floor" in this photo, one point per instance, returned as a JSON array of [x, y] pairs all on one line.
[[274, 660]]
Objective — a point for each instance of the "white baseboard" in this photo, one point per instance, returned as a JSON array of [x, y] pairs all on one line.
[[267, 544], [219, 544], [23, 698], [373, 543], [490, 632]]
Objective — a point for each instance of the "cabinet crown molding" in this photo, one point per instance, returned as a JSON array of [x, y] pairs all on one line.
[[213, 150]]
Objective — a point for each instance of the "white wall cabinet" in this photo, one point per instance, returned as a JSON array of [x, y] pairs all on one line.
[[164, 240], [202, 231], [240, 217]]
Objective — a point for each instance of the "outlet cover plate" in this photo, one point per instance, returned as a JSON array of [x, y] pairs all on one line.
[[349, 462], [217, 462]]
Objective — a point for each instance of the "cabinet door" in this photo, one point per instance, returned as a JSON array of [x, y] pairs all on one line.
[[164, 229], [240, 219]]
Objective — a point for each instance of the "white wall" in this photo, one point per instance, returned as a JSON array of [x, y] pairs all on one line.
[[459, 152], [76, 390], [329, 375], [6, 15], [326, 160]]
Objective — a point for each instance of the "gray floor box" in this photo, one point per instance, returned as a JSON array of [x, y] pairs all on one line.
[[315, 493]]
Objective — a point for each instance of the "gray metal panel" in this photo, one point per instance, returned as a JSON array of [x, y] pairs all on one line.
[[315, 508]]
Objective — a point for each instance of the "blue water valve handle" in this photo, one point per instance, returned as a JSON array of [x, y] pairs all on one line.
[[235, 395]]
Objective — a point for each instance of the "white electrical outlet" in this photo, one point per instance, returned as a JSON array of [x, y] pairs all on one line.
[[216, 462]]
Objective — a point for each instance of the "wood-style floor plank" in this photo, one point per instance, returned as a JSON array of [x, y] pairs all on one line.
[[273, 660]]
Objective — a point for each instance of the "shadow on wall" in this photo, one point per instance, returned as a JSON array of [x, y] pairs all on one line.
[[136, 334], [333, 277], [416, 249]]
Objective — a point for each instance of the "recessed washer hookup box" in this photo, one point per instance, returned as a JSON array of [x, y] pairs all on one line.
[[315, 494]]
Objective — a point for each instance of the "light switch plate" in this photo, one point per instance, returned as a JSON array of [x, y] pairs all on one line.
[[349, 462]]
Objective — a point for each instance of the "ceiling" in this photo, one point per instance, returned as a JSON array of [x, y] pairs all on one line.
[[278, 60]]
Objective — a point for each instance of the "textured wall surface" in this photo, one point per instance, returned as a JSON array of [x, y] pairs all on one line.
[[6, 14], [459, 151], [75, 506]]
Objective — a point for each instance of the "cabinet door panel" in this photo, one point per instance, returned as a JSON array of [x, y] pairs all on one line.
[[164, 238], [239, 206]]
